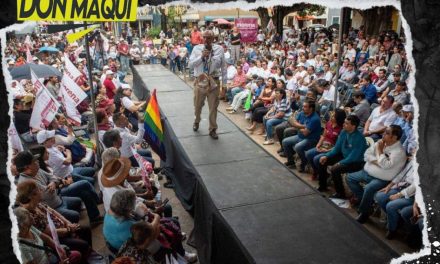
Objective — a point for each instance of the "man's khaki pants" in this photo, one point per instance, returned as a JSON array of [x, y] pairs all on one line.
[[213, 102]]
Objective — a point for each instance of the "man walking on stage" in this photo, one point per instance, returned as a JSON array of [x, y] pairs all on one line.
[[208, 62]]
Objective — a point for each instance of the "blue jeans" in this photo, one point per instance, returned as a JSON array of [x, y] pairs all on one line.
[[367, 193], [125, 63], [406, 213], [313, 156], [153, 60], [70, 208], [269, 124], [85, 191], [298, 145], [392, 208], [83, 173], [230, 93]]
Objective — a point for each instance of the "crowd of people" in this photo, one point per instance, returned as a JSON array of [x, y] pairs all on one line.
[[58, 168], [354, 125], [351, 124]]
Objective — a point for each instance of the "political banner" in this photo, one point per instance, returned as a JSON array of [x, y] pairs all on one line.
[[71, 91], [77, 10], [29, 58], [71, 96], [248, 28], [15, 139], [45, 106], [54, 234], [146, 167], [70, 68]]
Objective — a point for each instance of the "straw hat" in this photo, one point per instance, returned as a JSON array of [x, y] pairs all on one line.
[[115, 172]]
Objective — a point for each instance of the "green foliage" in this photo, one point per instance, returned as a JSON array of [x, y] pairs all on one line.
[[311, 10], [154, 32]]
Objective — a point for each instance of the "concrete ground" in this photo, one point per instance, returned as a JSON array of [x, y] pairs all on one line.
[[375, 225]]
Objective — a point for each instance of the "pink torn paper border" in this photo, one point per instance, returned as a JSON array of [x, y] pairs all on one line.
[[248, 6]]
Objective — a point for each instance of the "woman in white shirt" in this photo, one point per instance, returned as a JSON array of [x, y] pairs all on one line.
[[127, 106]]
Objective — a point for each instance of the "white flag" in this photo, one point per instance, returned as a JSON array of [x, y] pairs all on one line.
[[15, 139], [78, 51], [53, 232], [45, 106], [72, 95], [70, 68], [29, 58], [146, 167], [71, 91]]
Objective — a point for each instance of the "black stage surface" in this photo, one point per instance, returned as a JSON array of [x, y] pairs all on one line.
[[248, 207]]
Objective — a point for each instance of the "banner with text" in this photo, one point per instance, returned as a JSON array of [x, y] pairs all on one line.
[[248, 28], [77, 10]]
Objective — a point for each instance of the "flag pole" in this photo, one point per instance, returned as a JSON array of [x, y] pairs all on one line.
[[92, 94]]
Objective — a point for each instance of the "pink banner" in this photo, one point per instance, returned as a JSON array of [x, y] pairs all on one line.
[[248, 28]]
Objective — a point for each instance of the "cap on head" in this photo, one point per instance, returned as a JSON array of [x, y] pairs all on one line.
[[44, 135]]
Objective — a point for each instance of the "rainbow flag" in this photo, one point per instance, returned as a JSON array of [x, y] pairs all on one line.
[[153, 127]]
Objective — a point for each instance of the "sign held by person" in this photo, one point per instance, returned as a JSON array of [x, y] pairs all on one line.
[[77, 10]]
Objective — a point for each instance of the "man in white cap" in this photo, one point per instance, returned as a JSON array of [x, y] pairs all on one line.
[[208, 62], [60, 159], [109, 85]]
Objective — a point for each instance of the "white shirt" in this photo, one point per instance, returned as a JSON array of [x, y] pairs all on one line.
[[328, 76], [126, 102], [329, 95], [217, 64], [291, 85], [128, 139], [231, 72], [389, 163], [107, 192], [381, 120], [260, 37], [350, 54], [56, 159]]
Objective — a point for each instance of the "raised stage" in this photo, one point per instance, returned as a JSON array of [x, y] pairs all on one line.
[[247, 206]]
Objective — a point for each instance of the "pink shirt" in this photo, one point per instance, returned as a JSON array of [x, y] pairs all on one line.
[[331, 133]]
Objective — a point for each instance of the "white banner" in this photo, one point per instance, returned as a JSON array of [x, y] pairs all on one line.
[[71, 91], [146, 167], [70, 68], [53, 232], [29, 58], [45, 106], [15, 139], [78, 51], [72, 95]]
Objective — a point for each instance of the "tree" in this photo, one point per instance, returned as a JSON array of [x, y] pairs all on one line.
[[376, 19], [279, 12]]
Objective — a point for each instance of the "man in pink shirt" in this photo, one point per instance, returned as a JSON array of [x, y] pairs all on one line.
[[237, 84]]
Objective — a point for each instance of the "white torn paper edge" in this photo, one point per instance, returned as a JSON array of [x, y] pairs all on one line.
[[248, 6], [8, 79]]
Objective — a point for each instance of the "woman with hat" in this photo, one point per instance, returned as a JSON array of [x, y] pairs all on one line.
[[114, 176]]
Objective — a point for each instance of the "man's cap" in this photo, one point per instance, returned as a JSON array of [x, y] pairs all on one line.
[[44, 135], [24, 159]]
